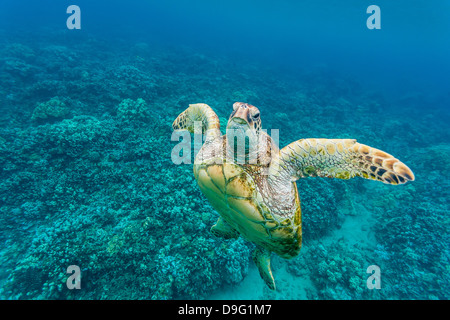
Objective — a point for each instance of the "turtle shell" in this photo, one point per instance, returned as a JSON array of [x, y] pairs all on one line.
[[234, 192]]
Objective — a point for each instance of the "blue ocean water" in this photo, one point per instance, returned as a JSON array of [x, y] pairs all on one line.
[[87, 177]]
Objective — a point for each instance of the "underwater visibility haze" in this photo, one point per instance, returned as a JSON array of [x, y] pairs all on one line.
[[89, 184]]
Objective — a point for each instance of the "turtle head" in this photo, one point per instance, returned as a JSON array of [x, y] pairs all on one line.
[[245, 116], [243, 129]]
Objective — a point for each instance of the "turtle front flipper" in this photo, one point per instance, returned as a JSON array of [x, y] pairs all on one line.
[[204, 115], [223, 230], [338, 158], [261, 257]]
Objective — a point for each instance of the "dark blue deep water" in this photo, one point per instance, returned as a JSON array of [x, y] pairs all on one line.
[[85, 145]]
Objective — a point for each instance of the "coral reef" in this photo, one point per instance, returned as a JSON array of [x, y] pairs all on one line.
[[87, 177], [339, 271], [52, 109], [130, 110]]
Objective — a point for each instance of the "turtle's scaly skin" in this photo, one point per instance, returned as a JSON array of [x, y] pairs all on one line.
[[259, 200], [339, 158], [203, 114]]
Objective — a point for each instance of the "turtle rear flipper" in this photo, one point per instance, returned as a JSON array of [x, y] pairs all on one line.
[[203, 114], [261, 257], [223, 230], [339, 158]]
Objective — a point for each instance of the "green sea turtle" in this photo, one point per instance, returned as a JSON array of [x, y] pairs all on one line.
[[255, 190]]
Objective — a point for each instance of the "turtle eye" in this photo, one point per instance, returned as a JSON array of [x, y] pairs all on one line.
[[235, 106], [255, 115]]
